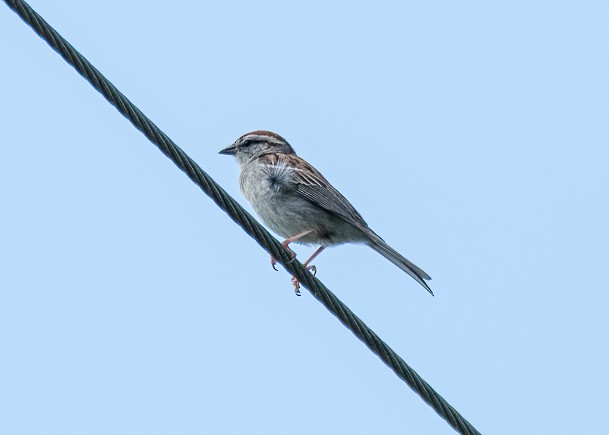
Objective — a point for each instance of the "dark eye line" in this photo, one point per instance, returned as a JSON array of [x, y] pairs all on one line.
[[249, 142]]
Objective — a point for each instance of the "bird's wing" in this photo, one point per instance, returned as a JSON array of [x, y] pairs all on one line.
[[311, 185]]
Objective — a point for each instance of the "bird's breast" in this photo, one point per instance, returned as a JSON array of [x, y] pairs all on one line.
[[271, 191], [264, 183]]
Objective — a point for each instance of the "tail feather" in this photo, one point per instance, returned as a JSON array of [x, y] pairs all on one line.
[[380, 246]]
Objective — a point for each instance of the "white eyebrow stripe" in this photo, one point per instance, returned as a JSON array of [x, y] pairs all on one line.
[[259, 138]]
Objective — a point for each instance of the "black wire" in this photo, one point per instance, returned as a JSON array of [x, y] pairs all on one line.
[[241, 217]]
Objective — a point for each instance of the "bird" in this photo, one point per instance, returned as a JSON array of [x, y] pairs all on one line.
[[296, 201]]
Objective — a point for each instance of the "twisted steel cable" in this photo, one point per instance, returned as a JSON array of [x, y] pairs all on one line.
[[241, 217]]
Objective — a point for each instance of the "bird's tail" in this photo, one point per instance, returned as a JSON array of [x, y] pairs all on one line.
[[380, 246]]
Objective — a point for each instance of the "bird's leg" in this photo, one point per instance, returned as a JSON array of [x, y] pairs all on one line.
[[311, 258], [312, 268], [286, 245]]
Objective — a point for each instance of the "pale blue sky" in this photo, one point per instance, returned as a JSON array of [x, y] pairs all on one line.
[[472, 136]]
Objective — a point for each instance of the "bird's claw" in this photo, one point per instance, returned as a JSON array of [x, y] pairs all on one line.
[[293, 254], [286, 245], [296, 285], [274, 262]]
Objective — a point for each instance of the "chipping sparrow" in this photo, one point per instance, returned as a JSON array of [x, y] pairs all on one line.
[[298, 203]]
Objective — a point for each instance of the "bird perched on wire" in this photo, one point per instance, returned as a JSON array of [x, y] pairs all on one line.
[[299, 204]]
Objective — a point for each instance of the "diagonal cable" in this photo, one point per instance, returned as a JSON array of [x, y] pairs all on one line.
[[241, 217]]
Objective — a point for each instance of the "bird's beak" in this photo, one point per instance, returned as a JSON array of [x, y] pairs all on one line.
[[230, 150]]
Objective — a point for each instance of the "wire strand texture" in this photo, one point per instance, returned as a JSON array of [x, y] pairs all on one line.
[[241, 217]]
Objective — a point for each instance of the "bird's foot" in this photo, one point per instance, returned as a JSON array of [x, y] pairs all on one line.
[[286, 245], [274, 262], [296, 283]]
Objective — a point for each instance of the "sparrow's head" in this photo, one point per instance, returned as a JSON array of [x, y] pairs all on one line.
[[257, 143]]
